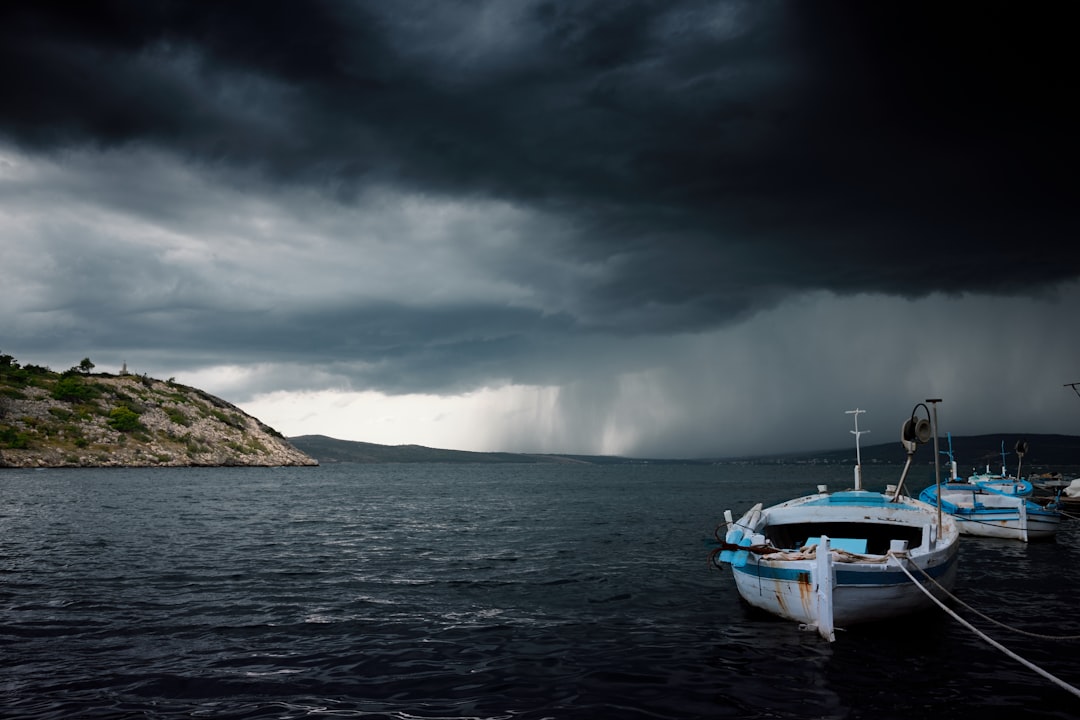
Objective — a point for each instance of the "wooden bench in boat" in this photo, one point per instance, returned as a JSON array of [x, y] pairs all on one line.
[[851, 545]]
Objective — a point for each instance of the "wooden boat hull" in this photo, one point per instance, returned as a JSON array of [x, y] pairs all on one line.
[[861, 594], [873, 539]]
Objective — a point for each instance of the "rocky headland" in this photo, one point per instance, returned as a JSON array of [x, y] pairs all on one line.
[[79, 419]]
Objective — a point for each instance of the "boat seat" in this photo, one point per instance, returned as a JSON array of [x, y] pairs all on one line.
[[852, 545]]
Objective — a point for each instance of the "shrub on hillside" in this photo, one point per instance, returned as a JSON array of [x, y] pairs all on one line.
[[12, 439], [71, 388], [124, 419]]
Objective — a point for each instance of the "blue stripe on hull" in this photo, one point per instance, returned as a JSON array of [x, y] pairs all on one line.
[[893, 576]]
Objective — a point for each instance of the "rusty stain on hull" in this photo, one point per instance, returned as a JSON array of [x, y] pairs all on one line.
[[778, 590], [806, 596], [806, 593]]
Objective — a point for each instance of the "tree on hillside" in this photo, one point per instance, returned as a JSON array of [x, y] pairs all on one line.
[[86, 366]]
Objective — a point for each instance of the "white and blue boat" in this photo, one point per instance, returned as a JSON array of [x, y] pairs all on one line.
[[1003, 481], [992, 505], [985, 511], [830, 560]]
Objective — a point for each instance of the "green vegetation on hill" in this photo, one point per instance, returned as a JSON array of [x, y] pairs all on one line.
[[79, 419]]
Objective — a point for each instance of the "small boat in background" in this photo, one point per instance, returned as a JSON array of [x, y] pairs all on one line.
[[1000, 506], [1070, 495], [830, 560], [1049, 488], [1010, 484], [1050, 481], [987, 512]]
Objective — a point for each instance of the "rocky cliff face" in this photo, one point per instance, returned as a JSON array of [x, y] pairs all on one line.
[[128, 420]]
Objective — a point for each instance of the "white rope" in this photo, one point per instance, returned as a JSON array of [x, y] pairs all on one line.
[[986, 617], [1030, 665]]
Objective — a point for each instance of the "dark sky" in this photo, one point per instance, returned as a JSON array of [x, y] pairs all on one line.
[[647, 228]]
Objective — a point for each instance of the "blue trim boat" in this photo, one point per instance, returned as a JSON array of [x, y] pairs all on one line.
[[991, 505], [986, 511], [1009, 484], [830, 560]]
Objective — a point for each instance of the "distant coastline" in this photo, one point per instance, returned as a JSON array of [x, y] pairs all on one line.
[[1046, 453]]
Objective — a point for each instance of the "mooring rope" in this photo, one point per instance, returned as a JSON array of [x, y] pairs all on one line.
[[958, 601], [1026, 663]]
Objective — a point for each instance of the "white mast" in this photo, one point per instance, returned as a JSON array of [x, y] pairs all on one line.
[[858, 455]]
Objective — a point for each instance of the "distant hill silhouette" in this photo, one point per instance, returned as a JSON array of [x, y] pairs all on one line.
[[332, 450], [970, 452], [976, 451]]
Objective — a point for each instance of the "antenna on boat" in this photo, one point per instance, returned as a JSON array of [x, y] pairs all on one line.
[[952, 460], [1004, 470], [858, 455]]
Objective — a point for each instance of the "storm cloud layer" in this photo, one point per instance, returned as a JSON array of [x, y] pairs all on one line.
[[646, 213]]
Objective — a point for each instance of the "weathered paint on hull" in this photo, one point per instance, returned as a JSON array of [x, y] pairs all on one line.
[[863, 592]]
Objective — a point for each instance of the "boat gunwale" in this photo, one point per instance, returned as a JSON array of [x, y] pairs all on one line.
[[904, 511]]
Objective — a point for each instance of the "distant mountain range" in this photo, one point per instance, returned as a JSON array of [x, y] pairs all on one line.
[[331, 450], [1045, 452], [970, 452]]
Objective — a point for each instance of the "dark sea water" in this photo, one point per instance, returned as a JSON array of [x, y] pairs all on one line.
[[478, 591]]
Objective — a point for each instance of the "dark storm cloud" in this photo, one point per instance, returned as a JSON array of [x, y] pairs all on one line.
[[715, 157]]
